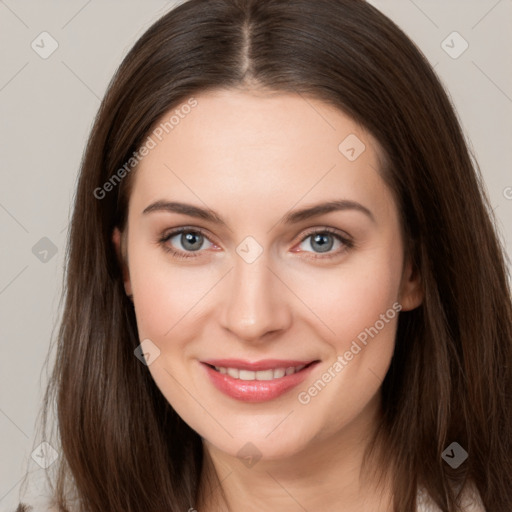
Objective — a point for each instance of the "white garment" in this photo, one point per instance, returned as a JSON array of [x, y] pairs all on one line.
[[471, 502], [37, 504]]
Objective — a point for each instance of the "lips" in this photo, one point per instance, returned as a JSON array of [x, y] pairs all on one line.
[[265, 364], [256, 381]]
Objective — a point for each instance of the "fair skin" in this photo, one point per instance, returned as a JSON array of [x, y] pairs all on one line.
[[253, 157]]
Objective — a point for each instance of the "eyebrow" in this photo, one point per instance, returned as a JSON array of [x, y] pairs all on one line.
[[289, 218]]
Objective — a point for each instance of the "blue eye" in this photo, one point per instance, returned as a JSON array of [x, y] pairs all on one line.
[[323, 241], [192, 241]]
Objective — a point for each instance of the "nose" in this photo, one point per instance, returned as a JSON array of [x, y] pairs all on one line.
[[257, 304]]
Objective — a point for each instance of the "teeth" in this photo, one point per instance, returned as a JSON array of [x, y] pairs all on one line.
[[279, 372], [246, 375], [270, 374], [264, 375], [233, 372]]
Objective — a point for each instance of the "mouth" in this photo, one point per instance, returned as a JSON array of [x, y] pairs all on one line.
[[268, 374], [257, 382]]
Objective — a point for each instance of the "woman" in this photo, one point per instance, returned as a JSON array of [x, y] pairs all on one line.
[[211, 356]]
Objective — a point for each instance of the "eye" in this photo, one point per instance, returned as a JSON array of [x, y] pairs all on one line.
[[191, 240], [323, 240]]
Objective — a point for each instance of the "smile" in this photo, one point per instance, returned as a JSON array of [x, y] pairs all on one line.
[[256, 382], [236, 373]]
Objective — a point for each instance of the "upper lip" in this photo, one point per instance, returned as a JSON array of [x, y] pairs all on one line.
[[264, 364]]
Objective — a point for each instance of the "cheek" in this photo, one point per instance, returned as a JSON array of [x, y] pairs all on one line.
[[165, 297], [361, 311], [165, 294], [352, 297], [359, 305]]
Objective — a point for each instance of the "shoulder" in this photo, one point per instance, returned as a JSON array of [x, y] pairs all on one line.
[[37, 505], [35, 495], [471, 501], [34, 507]]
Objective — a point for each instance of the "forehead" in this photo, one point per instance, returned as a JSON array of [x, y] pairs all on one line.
[[259, 150]]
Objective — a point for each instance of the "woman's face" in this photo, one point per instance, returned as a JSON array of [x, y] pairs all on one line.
[[251, 281]]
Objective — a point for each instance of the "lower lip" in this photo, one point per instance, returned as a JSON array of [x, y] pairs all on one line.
[[256, 390]]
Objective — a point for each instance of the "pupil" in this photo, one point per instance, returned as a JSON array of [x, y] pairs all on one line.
[[189, 239], [321, 239]]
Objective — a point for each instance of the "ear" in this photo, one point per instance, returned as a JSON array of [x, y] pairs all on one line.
[[119, 241], [411, 293]]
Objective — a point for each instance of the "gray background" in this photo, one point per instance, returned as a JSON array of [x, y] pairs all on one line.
[[46, 111]]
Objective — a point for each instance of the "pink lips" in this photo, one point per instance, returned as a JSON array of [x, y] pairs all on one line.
[[264, 364], [256, 390]]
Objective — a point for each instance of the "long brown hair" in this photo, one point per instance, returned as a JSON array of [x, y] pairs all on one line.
[[123, 447]]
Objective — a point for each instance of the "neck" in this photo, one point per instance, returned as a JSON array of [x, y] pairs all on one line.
[[323, 475]]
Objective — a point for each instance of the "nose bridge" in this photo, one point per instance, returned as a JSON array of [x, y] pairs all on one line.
[[256, 304]]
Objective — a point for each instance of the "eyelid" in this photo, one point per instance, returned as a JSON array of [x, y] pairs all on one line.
[[325, 229]]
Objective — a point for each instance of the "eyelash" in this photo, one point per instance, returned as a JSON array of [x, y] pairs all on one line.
[[348, 243]]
